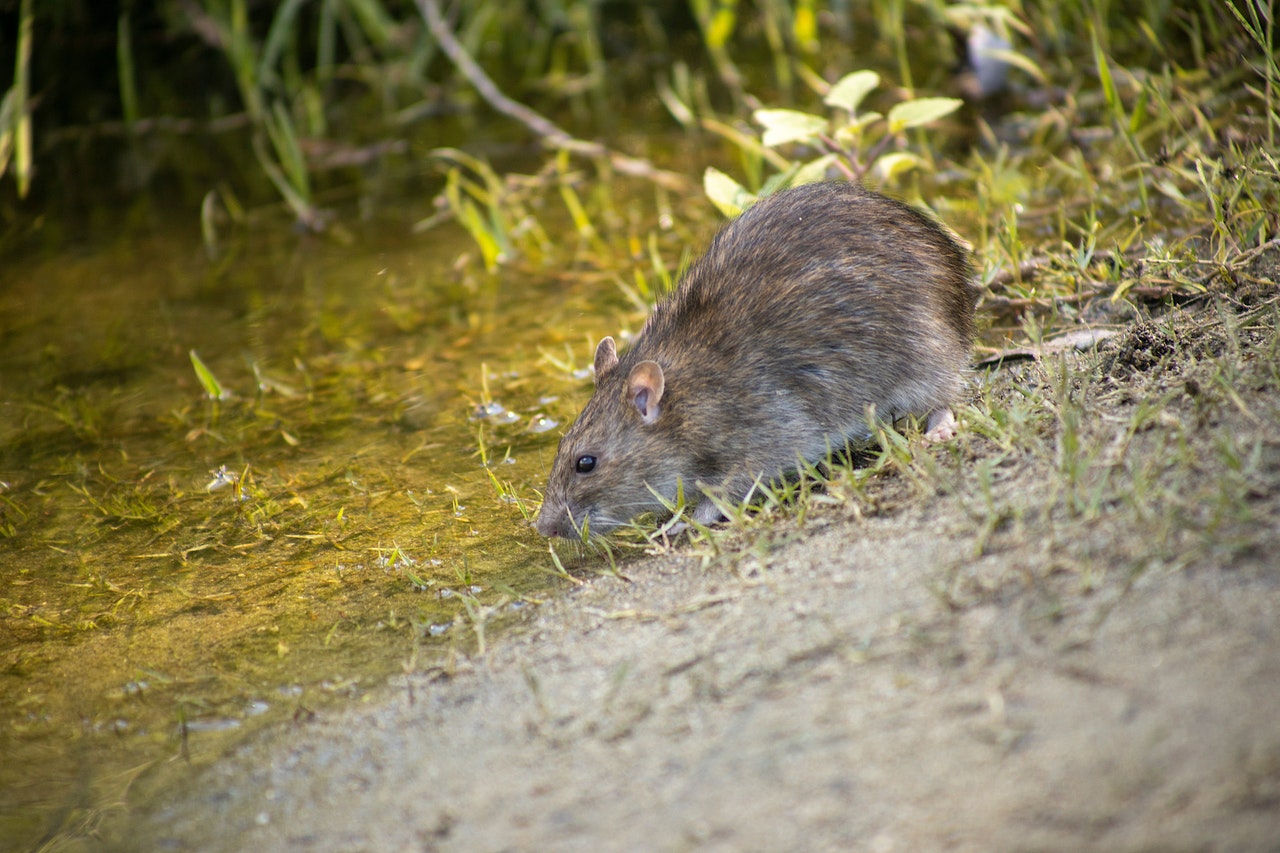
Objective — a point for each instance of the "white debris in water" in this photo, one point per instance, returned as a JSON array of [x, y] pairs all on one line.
[[542, 423], [221, 479], [495, 412]]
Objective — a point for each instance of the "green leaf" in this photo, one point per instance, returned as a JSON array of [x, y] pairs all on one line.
[[891, 165], [725, 193], [783, 126], [212, 386], [813, 171], [849, 135], [778, 181], [920, 111], [850, 89]]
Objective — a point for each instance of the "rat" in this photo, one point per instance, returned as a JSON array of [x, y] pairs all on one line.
[[819, 306]]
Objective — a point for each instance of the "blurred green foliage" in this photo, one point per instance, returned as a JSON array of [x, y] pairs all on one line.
[[284, 100]]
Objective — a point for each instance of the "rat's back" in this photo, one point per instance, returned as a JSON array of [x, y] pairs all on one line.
[[833, 296]]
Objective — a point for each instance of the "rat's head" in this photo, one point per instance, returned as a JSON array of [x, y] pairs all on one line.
[[620, 445]]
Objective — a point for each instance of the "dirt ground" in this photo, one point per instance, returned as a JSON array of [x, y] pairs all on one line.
[[1007, 656]]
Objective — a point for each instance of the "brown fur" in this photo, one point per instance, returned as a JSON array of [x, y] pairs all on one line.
[[814, 305]]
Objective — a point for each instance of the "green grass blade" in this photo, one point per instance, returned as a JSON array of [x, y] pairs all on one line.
[[1104, 78], [208, 224], [6, 128], [326, 42], [240, 51], [374, 20], [277, 37], [285, 141], [212, 386], [125, 69], [300, 205], [22, 116]]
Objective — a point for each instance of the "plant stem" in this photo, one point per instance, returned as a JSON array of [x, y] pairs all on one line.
[[550, 133]]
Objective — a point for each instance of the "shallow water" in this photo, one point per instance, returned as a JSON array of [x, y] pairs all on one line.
[[179, 570]]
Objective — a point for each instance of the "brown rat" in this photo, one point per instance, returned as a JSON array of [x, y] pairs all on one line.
[[813, 306]]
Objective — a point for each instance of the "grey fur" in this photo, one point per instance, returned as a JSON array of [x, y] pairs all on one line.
[[812, 306]]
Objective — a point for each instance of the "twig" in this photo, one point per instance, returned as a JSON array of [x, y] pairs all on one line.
[[1247, 257], [551, 135]]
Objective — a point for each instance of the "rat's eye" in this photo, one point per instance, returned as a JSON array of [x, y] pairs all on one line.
[[585, 464]]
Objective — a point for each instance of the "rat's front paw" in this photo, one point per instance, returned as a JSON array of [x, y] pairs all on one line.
[[941, 426]]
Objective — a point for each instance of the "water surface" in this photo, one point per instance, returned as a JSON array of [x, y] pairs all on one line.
[[178, 570]]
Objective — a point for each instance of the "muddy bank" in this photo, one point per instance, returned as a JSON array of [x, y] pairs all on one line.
[[993, 648]]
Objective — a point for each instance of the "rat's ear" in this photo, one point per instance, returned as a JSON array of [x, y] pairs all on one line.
[[644, 390], [606, 357]]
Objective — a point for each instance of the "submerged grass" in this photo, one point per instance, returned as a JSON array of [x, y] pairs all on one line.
[[172, 569]]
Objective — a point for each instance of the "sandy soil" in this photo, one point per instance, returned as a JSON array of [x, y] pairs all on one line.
[[904, 677]]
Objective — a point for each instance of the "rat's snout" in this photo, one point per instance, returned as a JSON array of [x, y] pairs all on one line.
[[566, 520], [553, 520], [546, 522]]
